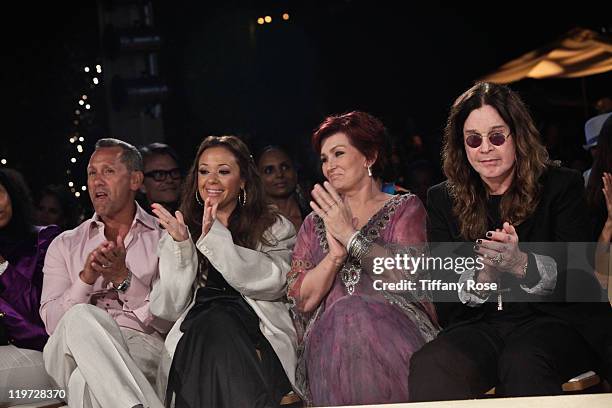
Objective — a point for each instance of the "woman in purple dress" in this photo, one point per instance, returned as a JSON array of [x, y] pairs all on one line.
[[357, 336], [22, 254]]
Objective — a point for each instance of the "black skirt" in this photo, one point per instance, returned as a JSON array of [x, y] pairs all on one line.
[[223, 359]]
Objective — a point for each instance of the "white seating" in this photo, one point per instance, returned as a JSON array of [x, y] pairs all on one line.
[[22, 369]]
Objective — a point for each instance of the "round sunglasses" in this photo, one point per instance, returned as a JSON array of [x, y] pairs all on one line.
[[496, 139]]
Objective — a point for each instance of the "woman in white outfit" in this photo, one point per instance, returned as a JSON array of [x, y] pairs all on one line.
[[223, 268]]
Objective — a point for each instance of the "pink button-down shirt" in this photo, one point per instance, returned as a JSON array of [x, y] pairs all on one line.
[[62, 287]]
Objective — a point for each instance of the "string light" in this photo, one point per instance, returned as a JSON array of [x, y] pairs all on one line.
[[268, 19], [260, 21], [285, 16], [3, 161], [75, 138]]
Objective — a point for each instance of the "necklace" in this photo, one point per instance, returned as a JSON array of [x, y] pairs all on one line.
[[350, 275]]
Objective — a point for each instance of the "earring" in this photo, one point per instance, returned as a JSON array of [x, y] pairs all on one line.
[[242, 197], [198, 199], [370, 171]]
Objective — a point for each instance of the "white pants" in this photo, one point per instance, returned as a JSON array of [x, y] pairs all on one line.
[[101, 365]]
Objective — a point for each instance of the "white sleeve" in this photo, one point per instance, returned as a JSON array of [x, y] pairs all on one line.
[[547, 268], [465, 295], [3, 266], [259, 274], [178, 266]]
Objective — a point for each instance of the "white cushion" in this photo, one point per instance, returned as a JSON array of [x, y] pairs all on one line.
[[22, 369]]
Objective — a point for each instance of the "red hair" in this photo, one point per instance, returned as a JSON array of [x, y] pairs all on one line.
[[365, 132]]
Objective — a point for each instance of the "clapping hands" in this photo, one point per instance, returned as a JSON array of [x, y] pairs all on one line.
[[334, 211], [501, 251]]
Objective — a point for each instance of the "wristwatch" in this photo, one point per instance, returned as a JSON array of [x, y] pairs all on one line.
[[123, 286]]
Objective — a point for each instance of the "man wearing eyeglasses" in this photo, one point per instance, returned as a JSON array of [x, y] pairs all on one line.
[[162, 176]]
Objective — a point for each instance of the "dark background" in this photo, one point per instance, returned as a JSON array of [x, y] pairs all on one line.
[[404, 62]]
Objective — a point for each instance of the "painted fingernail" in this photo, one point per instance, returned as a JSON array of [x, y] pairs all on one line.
[[489, 234], [479, 241], [476, 247]]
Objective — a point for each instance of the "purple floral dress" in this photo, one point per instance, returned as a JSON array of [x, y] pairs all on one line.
[[356, 349]]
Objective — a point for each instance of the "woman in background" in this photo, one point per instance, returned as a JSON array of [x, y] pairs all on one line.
[[57, 206], [22, 254], [280, 180], [599, 200]]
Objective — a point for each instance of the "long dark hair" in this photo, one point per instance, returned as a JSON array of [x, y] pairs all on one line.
[[466, 187], [20, 226], [247, 223]]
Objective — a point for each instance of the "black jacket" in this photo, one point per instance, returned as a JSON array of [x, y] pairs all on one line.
[[561, 217]]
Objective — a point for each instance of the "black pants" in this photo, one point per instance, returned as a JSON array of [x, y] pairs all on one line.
[[528, 358], [216, 363]]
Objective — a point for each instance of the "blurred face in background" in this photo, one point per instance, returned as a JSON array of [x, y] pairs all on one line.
[[49, 211], [277, 173], [162, 181], [6, 207]]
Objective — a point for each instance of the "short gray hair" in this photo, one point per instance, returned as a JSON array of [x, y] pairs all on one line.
[[130, 156]]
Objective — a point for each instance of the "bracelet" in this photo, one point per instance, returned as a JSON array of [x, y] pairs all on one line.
[[524, 274], [359, 246], [350, 240], [524, 270]]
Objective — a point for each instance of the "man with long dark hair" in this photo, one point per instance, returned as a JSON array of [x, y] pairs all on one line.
[[523, 338]]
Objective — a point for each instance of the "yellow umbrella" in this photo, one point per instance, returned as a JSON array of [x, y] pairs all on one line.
[[579, 53]]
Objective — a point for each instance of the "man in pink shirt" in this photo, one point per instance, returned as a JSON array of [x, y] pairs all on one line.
[[105, 344]]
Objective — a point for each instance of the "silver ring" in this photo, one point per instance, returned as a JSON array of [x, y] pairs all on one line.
[[497, 259], [106, 266]]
